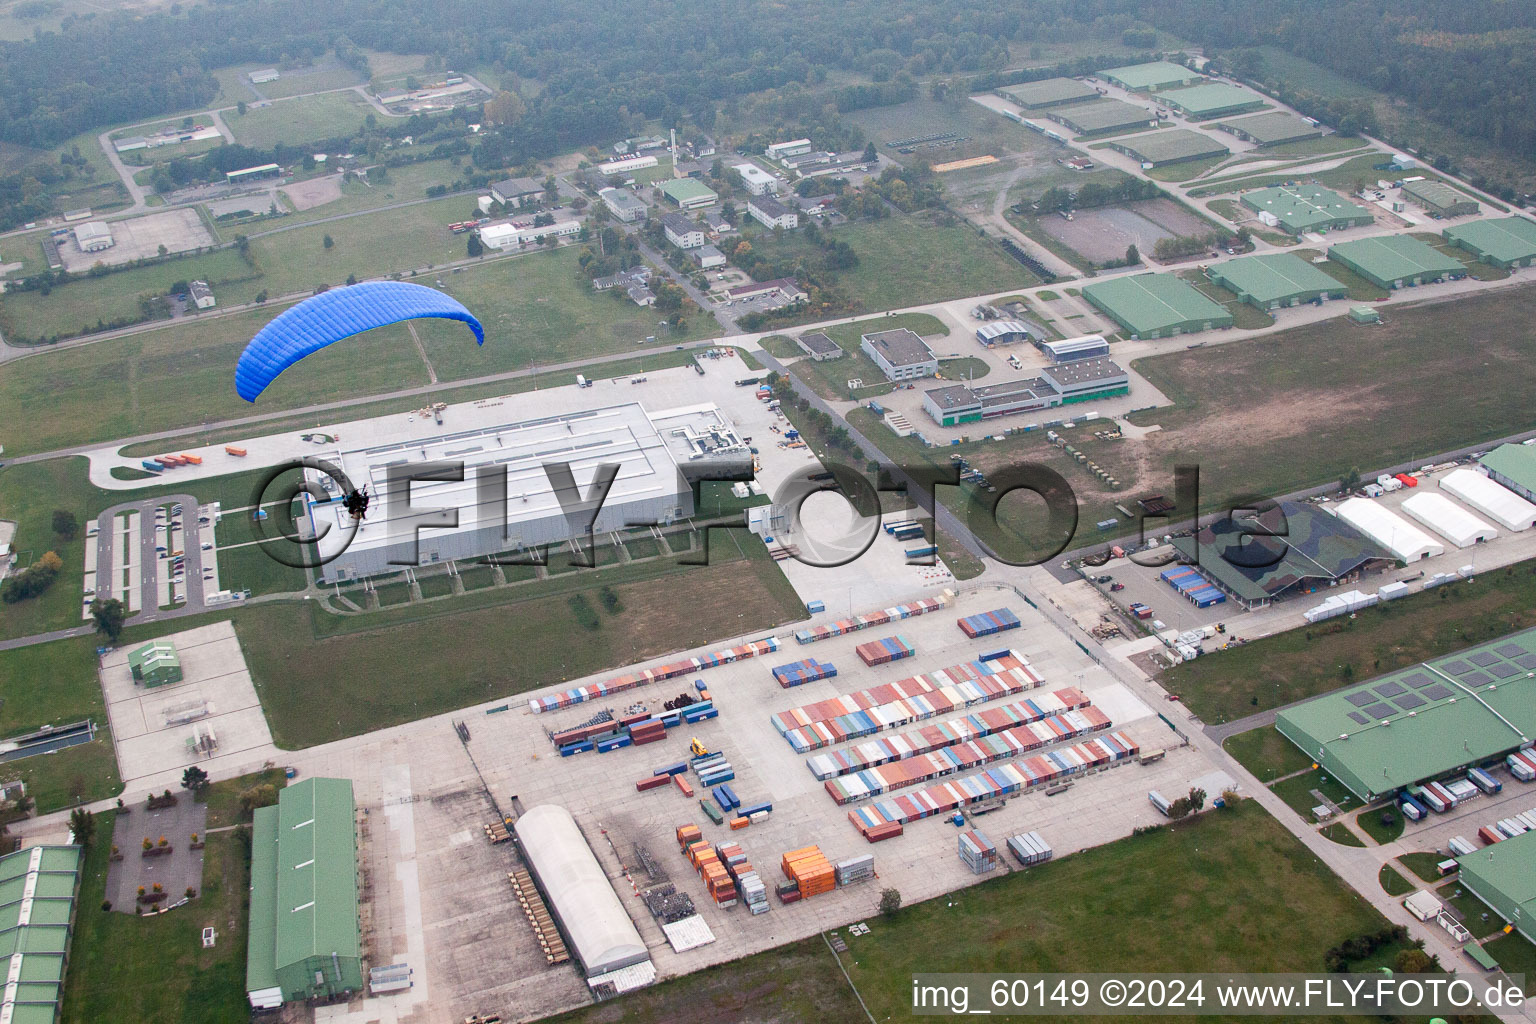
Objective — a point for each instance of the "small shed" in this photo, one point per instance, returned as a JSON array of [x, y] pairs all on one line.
[[155, 664], [1423, 905]]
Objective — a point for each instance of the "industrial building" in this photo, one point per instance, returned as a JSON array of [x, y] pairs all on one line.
[[1066, 384], [1448, 519], [1300, 209], [1273, 128], [625, 165], [304, 935], [771, 213], [1499, 503], [38, 889], [93, 236], [795, 147], [516, 192], [1156, 305], [1287, 549], [601, 933], [1504, 877], [1089, 346], [1423, 722], [1103, 116], [263, 76], [1170, 147], [785, 291], [1405, 541], [1211, 99], [246, 174], [1153, 77], [508, 236], [1397, 261], [756, 180], [682, 231], [623, 204], [1002, 332], [651, 451], [1439, 199], [155, 664], [689, 193], [1514, 467], [1275, 280], [1508, 242], [1049, 92], [819, 347], [901, 354]]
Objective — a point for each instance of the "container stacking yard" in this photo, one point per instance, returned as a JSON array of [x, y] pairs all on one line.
[[884, 651], [878, 618], [987, 623], [618, 684]]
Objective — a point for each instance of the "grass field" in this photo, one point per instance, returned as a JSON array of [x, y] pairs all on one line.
[[1370, 822], [1302, 662], [1476, 915], [906, 261], [123, 967], [250, 568], [1296, 791], [1111, 908], [1393, 882], [1339, 833], [56, 684], [1516, 955], [1422, 865], [1266, 753], [1184, 170], [295, 121]]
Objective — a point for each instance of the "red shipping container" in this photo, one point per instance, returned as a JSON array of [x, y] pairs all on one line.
[[682, 785], [652, 782]]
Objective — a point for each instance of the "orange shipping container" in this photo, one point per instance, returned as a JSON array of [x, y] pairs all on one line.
[[196, 460], [737, 824], [682, 785], [230, 449]]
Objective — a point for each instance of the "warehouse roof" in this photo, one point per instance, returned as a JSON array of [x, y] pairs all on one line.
[[1171, 146], [1388, 529], [1492, 499], [316, 871], [1000, 328], [1271, 127], [1447, 518], [682, 190], [1210, 98], [1101, 115], [38, 886], [1082, 371], [1422, 721], [1393, 257], [1155, 302], [1049, 92], [1505, 240], [1273, 277], [1154, 75], [901, 347], [601, 931], [1303, 207], [769, 207], [1436, 193], [516, 188], [1507, 872], [819, 343], [1516, 462]]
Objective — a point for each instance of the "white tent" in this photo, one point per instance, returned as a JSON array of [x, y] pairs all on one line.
[[1448, 519], [1406, 541], [1493, 500]]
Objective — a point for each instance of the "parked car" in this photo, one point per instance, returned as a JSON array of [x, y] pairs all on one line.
[[1103, 579]]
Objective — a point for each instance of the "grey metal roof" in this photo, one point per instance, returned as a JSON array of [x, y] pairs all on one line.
[[900, 347]]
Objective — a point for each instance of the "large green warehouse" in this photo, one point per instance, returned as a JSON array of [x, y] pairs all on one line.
[[1424, 722], [1213, 99], [1170, 147], [1396, 261], [1160, 74], [38, 887], [1271, 129], [1103, 116], [304, 936], [1509, 242], [1049, 92], [1156, 305], [1504, 877], [1439, 199], [1276, 279], [1302, 208]]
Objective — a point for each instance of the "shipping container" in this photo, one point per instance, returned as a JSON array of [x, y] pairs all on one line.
[[1460, 846], [1447, 867], [1159, 801], [1483, 781], [1521, 767], [683, 786], [196, 460], [1412, 809], [888, 649], [153, 467], [987, 623], [807, 670], [644, 677], [869, 619], [653, 782], [1461, 790], [855, 869], [1489, 836], [672, 769], [710, 810], [1029, 849], [238, 453]]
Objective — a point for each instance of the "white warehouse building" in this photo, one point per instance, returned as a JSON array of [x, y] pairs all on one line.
[[1448, 519], [1406, 541], [602, 933], [757, 181], [656, 453], [1493, 500]]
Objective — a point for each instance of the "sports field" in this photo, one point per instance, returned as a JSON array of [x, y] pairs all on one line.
[[295, 121], [1111, 908]]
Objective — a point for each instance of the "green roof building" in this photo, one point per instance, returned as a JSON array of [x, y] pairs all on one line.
[[1364, 315], [1274, 280], [304, 937], [1049, 92], [38, 887], [1156, 305], [1514, 466], [1423, 722], [1439, 199], [155, 664], [1170, 147], [1271, 129], [1504, 877], [1160, 74], [1396, 261], [1509, 242], [1103, 116], [689, 193], [1302, 208], [1213, 99]]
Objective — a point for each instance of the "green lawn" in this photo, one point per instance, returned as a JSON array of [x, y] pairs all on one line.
[[1297, 793], [781, 347], [1266, 753], [305, 80], [904, 261], [1478, 917], [296, 121], [965, 368], [1516, 955], [1394, 883], [1185, 170], [1339, 833], [1302, 662], [1370, 823], [1110, 908], [155, 968], [1422, 865], [251, 568]]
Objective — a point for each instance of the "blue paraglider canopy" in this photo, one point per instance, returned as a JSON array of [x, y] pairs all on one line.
[[336, 314]]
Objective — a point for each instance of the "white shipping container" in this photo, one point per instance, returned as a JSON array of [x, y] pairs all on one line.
[[1461, 847]]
